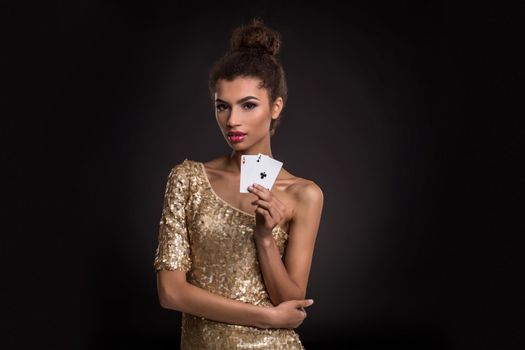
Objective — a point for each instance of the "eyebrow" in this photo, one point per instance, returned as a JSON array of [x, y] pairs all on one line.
[[240, 101]]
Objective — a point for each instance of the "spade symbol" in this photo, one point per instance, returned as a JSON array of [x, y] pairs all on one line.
[[263, 175]]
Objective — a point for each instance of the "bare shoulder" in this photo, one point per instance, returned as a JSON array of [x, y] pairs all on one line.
[[305, 192], [300, 186]]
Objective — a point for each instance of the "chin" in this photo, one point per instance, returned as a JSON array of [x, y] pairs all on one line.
[[237, 147]]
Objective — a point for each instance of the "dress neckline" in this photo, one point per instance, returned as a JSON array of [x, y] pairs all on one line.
[[205, 175]]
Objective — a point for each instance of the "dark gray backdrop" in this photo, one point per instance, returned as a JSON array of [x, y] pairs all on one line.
[[401, 112]]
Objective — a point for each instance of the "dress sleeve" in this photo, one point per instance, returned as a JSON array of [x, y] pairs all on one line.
[[173, 250]]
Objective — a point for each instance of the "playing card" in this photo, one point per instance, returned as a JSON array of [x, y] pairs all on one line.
[[264, 171], [247, 161]]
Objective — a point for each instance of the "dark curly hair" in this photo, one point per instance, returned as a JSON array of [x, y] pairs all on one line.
[[253, 51]]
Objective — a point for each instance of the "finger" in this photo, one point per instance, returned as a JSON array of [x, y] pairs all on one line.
[[274, 198], [265, 213], [304, 303], [274, 212], [261, 191], [267, 195], [304, 311], [279, 203], [255, 191], [271, 203], [260, 202]]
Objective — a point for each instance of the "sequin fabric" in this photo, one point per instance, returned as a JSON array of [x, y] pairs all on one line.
[[212, 241]]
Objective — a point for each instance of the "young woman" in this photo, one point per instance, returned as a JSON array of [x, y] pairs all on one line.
[[220, 252]]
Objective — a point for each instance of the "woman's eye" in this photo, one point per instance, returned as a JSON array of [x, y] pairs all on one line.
[[250, 105], [220, 107]]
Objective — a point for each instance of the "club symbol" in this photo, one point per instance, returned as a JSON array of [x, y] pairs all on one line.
[[263, 175]]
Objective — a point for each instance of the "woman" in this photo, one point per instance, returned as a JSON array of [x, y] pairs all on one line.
[[219, 255]]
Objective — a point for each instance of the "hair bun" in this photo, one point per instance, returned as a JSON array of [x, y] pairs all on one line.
[[255, 37]]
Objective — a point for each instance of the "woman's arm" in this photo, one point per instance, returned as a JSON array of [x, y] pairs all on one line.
[[177, 294], [173, 260], [288, 280]]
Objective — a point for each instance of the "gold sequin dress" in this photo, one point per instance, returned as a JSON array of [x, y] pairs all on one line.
[[212, 241]]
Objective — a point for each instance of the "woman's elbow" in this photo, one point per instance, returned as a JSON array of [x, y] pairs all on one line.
[[171, 299], [169, 292], [166, 300], [295, 295]]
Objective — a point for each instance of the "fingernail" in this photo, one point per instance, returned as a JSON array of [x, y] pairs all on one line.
[[311, 301]]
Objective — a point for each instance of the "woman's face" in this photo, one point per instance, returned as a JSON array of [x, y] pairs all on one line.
[[240, 105]]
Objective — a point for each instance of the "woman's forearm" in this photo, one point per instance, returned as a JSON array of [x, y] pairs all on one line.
[[202, 303], [276, 278]]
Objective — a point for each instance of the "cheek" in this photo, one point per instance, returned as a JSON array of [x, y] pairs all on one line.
[[261, 117], [221, 121]]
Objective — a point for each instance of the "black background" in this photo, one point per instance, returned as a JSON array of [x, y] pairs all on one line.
[[405, 113]]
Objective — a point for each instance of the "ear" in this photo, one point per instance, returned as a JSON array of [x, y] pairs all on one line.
[[277, 107]]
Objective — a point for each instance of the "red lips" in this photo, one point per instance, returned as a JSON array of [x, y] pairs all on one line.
[[236, 133]]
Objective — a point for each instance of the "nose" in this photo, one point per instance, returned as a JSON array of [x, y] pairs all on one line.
[[233, 118]]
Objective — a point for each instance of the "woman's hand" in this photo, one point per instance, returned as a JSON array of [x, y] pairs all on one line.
[[289, 314], [269, 211]]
